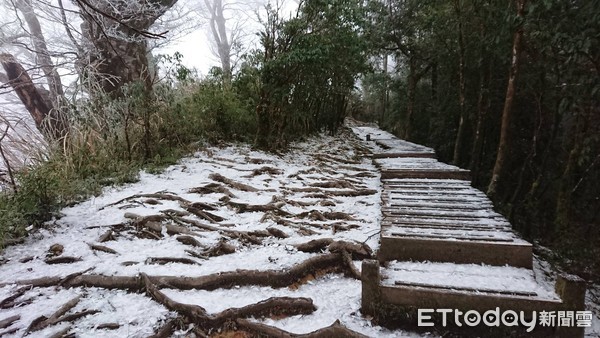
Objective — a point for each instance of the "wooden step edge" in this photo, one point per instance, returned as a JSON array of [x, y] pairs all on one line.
[[408, 248], [467, 289]]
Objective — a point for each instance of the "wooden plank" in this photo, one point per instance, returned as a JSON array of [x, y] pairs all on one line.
[[433, 192], [444, 206], [448, 211], [459, 199], [450, 236], [427, 173], [517, 253], [468, 289], [455, 215], [485, 222], [400, 154], [424, 181], [446, 227], [440, 187], [437, 298]]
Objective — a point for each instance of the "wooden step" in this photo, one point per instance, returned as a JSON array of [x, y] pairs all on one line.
[[427, 173], [420, 204], [430, 224], [397, 154], [424, 181], [440, 214], [492, 252], [400, 289]]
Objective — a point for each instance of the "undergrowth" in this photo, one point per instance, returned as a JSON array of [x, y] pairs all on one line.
[[112, 139]]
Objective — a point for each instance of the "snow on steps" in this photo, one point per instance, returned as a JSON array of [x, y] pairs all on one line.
[[443, 246]]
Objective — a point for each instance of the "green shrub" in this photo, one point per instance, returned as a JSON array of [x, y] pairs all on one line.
[[111, 139]]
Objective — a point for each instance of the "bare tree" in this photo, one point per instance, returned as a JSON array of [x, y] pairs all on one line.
[[226, 21], [45, 106], [219, 33], [49, 120]]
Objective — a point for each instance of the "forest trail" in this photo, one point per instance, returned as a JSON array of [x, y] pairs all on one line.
[[442, 246], [240, 242]]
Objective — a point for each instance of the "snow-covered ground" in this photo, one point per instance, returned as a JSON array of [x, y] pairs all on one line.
[[302, 183], [307, 190]]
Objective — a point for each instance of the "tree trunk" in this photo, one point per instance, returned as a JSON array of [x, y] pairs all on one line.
[[42, 53], [483, 103], [117, 52], [218, 29], [461, 87], [385, 97], [410, 95], [50, 122], [503, 146], [263, 130]]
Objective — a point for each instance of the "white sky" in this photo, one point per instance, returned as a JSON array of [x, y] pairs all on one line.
[[196, 46]]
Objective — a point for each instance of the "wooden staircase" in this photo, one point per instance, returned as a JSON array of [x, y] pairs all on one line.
[[442, 246]]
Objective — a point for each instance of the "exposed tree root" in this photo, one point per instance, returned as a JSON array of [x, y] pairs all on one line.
[[148, 234], [6, 322], [26, 259], [312, 170], [277, 232], [337, 184], [330, 158], [265, 170], [304, 189], [353, 271], [225, 280], [105, 237], [9, 301], [352, 193], [316, 245], [158, 195], [358, 250], [203, 214], [189, 240], [220, 249], [336, 227], [108, 326], [62, 260], [42, 322], [166, 330], [212, 188], [234, 184], [204, 206], [254, 160], [174, 212], [62, 333], [197, 314], [300, 228], [249, 236], [166, 260], [335, 330], [102, 248], [316, 215], [270, 207]]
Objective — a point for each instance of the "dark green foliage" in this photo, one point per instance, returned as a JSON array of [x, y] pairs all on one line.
[[551, 184], [309, 67]]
